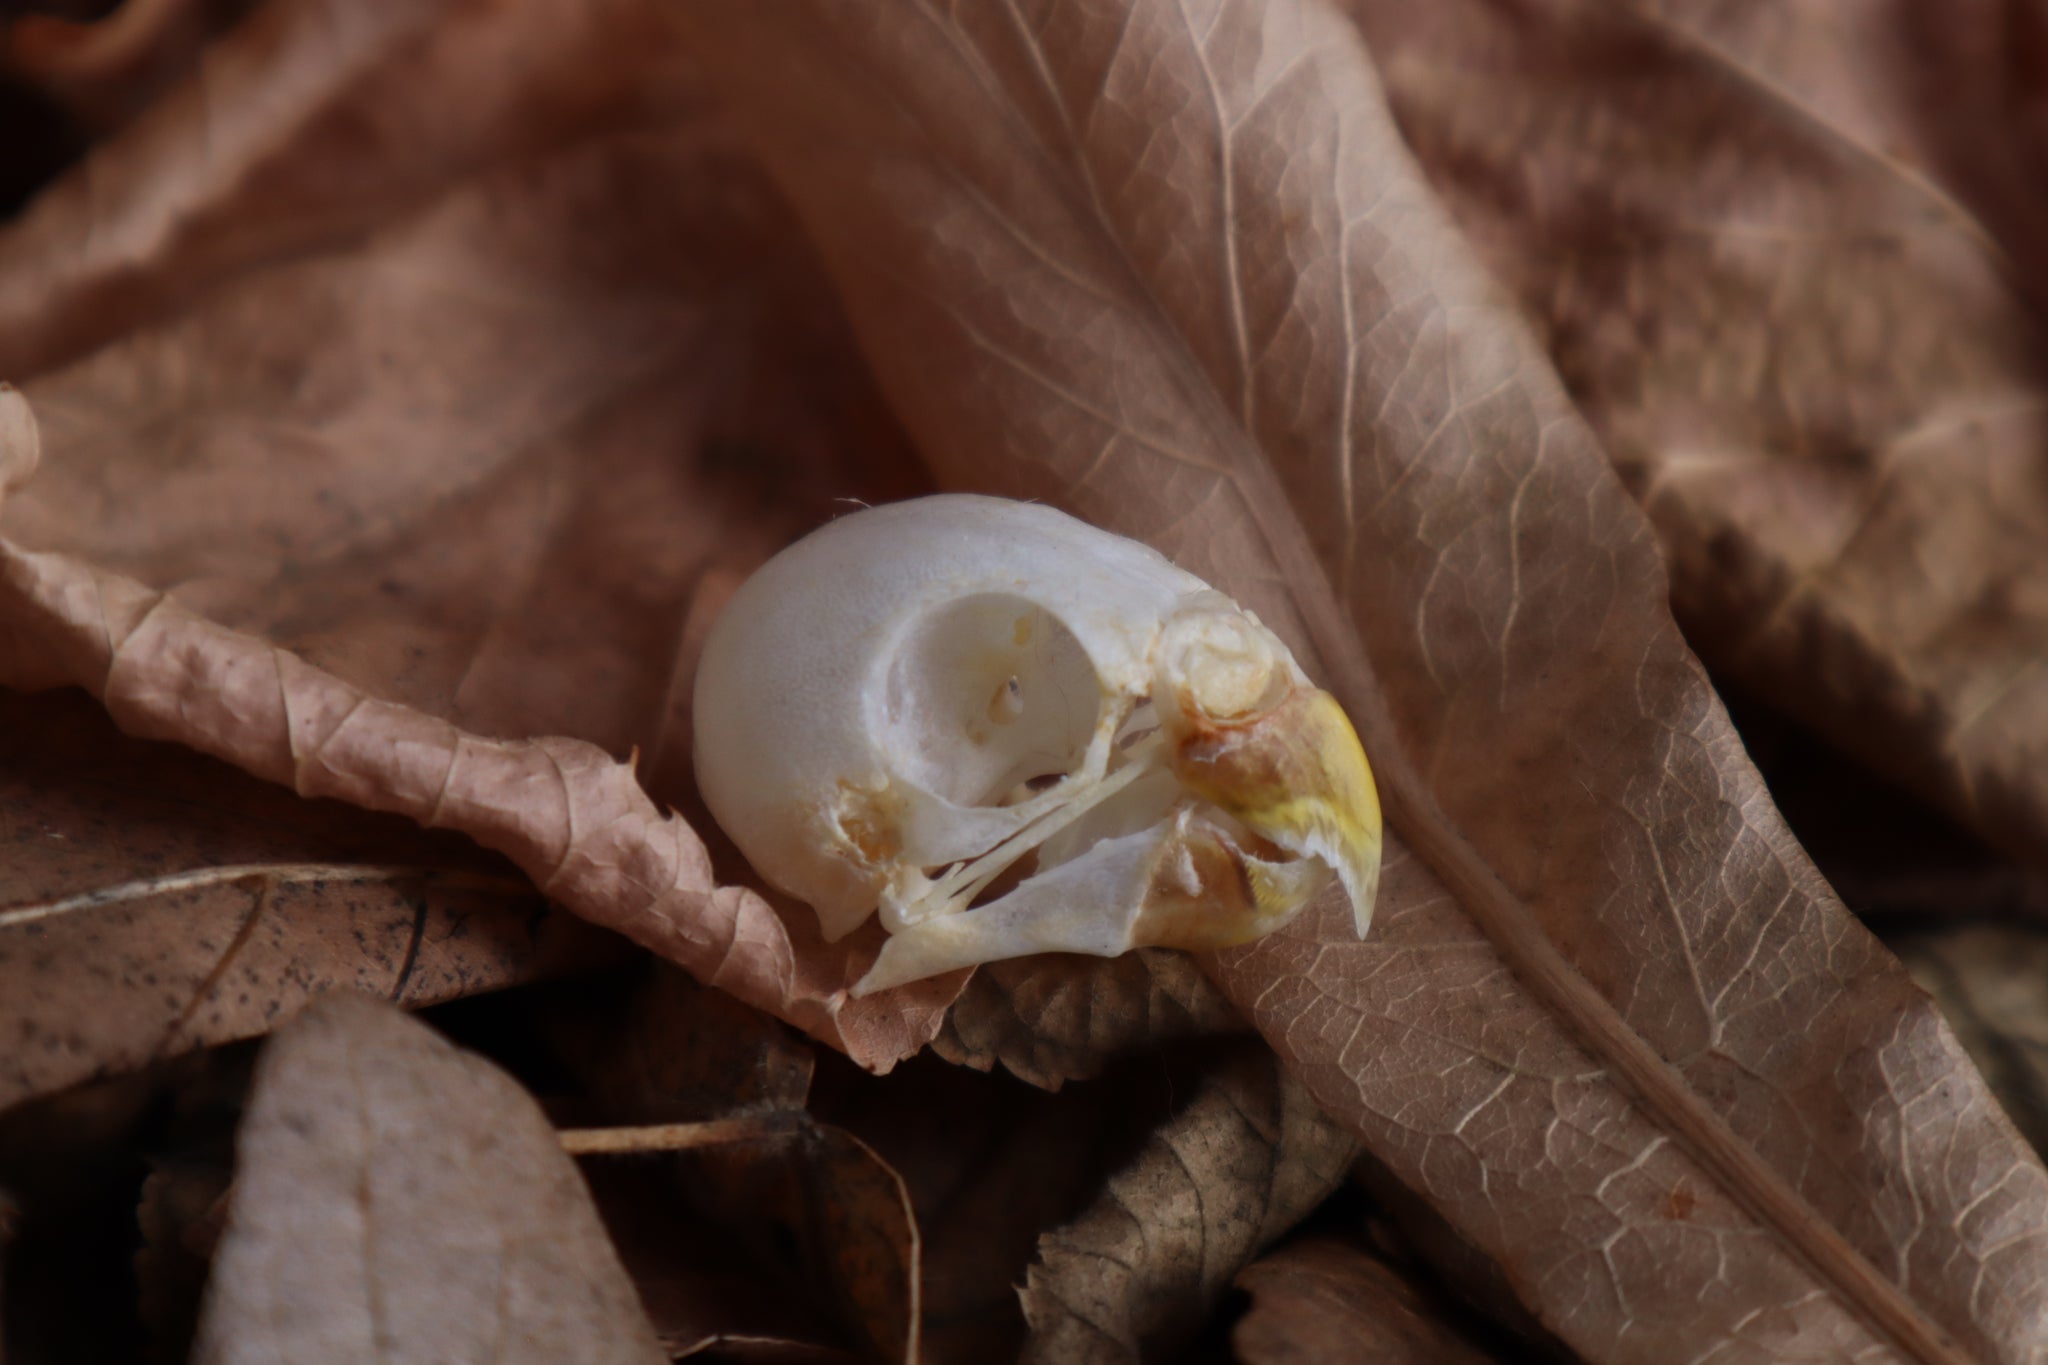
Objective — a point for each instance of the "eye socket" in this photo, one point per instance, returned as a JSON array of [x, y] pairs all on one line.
[[985, 693]]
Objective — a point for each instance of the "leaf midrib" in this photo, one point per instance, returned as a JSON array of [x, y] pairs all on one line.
[[1506, 920]]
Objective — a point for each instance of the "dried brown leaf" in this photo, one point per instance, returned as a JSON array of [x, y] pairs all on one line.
[[667, 1050], [1135, 1275], [493, 463], [1326, 1298], [178, 1221], [295, 131], [1992, 983], [1410, 1227], [497, 467], [836, 1218], [1889, 854], [990, 1163], [153, 901], [863, 1213], [1816, 365], [699, 1295], [397, 1199], [1168, 265], [20, 439], [1057, 1018], [564, 811], [102, 67], [181, 1211]]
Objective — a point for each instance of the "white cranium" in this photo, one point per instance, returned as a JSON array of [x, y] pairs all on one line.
[[917, 704]]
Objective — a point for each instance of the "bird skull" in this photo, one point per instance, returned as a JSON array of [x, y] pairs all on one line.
[[1008, 732]]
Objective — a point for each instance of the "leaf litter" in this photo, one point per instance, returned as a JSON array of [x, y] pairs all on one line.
[[486, 658], [398, 1199], [153, 901], [1328, 1298], [1246, 1159], [1168, 267], [1607, 933], [1811, 342]]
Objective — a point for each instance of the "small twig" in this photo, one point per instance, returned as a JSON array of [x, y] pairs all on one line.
[[671, 1137]]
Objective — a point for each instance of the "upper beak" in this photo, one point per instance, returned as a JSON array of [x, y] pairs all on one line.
[[1297, 775]]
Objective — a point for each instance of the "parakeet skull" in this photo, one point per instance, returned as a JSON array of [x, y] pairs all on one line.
[[1008, 732]]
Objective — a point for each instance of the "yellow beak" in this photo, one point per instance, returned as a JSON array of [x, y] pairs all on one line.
[[1295, 775]]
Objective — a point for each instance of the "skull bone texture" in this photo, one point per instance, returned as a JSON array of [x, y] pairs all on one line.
[[1008, 732]]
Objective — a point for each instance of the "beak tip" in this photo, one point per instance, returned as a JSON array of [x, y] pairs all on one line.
[[1362, 883]]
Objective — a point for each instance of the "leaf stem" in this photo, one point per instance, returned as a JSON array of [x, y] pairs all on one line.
[[671, 1137]]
